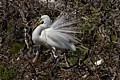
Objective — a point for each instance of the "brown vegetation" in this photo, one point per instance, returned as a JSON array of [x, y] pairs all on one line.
[[99, 22]]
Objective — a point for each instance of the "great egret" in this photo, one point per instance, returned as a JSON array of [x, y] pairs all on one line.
[[52, 1], [54, 35]]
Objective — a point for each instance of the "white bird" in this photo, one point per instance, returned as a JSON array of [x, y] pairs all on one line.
[[52, 1], [54, 35]]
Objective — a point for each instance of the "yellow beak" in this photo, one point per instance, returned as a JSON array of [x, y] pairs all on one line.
[[40, 21]]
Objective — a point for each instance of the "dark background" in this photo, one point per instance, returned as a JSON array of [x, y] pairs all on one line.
[[99, 22]]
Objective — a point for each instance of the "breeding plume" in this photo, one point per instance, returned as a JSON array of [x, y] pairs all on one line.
[[54, 35]]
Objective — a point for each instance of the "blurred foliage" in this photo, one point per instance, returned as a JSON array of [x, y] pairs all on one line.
[[15, 47], [98, 22], [7, 73]]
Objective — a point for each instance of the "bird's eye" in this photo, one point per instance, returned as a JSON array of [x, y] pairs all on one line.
[[42, 22]]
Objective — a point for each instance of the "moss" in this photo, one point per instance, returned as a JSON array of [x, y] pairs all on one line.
[[7, 73], [73, 60], [15, 47], [109, 46], [79, 53]]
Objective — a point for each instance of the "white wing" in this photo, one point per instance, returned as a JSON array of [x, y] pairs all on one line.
[[61, 21], [58, 22], [57, 39], [58, 35]]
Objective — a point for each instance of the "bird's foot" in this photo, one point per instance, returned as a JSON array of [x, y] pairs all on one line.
[[36, 57]]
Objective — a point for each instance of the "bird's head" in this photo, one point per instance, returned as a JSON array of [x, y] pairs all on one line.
[[45, 19]]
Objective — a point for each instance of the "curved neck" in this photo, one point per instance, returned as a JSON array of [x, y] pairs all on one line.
[[36, 33]]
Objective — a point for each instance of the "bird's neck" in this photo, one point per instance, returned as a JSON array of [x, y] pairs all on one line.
[[36, 33], [38, 30]]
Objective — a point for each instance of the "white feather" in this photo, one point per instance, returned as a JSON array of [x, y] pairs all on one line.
[[55, 35]]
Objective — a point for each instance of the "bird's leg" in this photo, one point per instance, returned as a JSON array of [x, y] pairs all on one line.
[[37, 53], [65, 57], [54, 57], [53, 52], [66, 61], [36, 56]]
